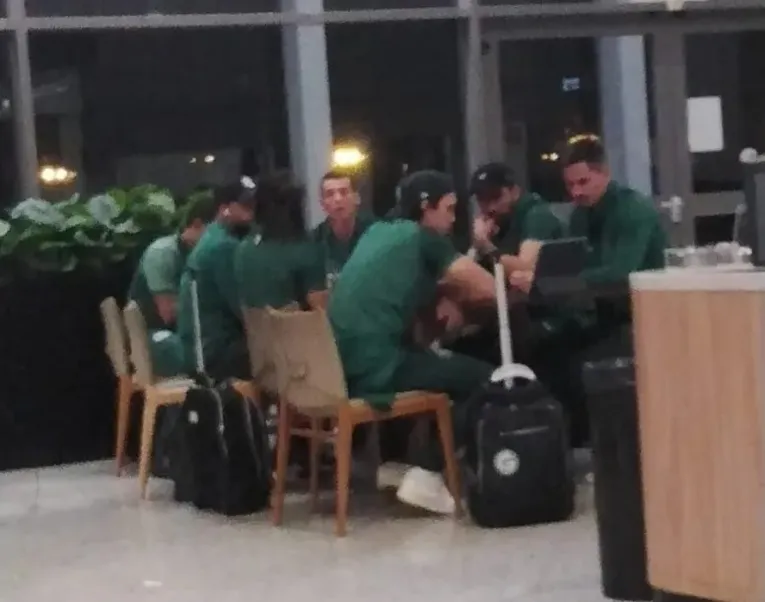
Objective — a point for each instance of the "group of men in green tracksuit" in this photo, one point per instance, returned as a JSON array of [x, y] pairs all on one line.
[[383, 282]]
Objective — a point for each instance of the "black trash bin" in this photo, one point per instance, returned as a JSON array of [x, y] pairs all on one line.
[[610, 387]]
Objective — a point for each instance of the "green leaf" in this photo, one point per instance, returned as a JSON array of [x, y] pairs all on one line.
[[104, 209], [38, 211]]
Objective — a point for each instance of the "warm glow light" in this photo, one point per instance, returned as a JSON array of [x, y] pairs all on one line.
[[348, 157], [580, 137], [551, 157], [56, 175]]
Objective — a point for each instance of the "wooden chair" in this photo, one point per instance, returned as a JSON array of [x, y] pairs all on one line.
[[310, 381], [263, 369], [117, 350], [157, 392]]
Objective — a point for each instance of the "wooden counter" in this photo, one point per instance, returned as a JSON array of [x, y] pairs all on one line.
[[700, 367]]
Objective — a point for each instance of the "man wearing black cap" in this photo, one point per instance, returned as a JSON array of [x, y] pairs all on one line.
[[211, 266], [512, 224], [397, 269]]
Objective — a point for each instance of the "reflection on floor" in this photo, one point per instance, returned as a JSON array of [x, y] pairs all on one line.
[[77, 533]]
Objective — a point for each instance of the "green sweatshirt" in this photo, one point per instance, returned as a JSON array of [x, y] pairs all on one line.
[[625, 235], [624, 232]]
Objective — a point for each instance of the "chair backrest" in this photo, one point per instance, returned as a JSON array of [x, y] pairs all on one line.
[[116, 342], [257, 324], [139, 344], [308, 368]]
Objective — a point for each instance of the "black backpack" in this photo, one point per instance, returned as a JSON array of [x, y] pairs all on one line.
[[224, 459], [221, 457], [518, 457]]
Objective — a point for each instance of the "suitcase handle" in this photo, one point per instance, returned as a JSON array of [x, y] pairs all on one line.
[[509, 372]]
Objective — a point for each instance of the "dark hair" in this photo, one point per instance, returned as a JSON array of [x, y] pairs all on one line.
[[280, 211], [201, 207], [340, 174], [585, 150], [235, 192]]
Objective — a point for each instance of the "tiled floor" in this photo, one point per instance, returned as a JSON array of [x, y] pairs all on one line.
[[77, 533]]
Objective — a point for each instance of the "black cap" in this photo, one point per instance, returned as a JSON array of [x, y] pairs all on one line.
[[427, 185], [489, 180], [241, 192]]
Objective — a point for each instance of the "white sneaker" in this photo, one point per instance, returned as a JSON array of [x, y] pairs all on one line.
[[425, 489], [391, 474]]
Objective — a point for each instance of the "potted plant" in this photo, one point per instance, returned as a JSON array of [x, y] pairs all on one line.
[[57, 262]]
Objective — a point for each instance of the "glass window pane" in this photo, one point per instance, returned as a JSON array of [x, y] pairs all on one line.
[[549, 93], [101, 8], [720, 65], [175, 108]]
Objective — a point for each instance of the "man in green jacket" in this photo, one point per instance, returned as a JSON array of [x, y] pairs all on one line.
[[513, 223], [339, 233], [511, 227], [625, 235], [395, 272], [156, 282], [211, 266]]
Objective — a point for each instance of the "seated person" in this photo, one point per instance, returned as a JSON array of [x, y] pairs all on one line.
[[211, 266], [512, 223], [625, 234], [277, 264], [339, 233], [511, 227], [156, 281], [394, 272]]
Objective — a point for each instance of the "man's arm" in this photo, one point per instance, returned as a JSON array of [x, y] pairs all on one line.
[[462, 277], [469, 281], [540, 225], [627, 253], [159, 268]]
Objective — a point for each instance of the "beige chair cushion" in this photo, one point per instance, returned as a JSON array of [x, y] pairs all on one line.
[[308, 369]]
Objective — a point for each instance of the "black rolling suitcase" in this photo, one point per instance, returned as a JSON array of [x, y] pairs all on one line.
[[517, 447], [222, 450]]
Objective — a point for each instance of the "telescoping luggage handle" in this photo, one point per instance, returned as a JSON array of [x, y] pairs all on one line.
[[199, 354], [508, 371]]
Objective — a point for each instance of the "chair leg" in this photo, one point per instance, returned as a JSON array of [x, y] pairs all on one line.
[[284, 420], [315, 450], [446, 434], [124, 395], [343, 441], [147, 439]]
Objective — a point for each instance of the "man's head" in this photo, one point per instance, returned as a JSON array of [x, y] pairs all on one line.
[[494, 187], [428, 197], [235, 204], [280, 207], [339, 197], [585, 171], [198, 213]]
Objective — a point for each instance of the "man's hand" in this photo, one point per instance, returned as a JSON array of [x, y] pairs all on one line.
[[522, 280], [483, 229], [449, 315]]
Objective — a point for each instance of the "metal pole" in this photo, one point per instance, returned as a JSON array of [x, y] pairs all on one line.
[[474, 113], [22, 101]]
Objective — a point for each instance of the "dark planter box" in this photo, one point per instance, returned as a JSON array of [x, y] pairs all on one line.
[[57, 389]]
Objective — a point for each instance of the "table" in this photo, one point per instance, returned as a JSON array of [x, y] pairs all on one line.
[[700, 368]]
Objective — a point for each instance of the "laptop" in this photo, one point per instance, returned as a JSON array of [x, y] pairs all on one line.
[[559, 268]]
